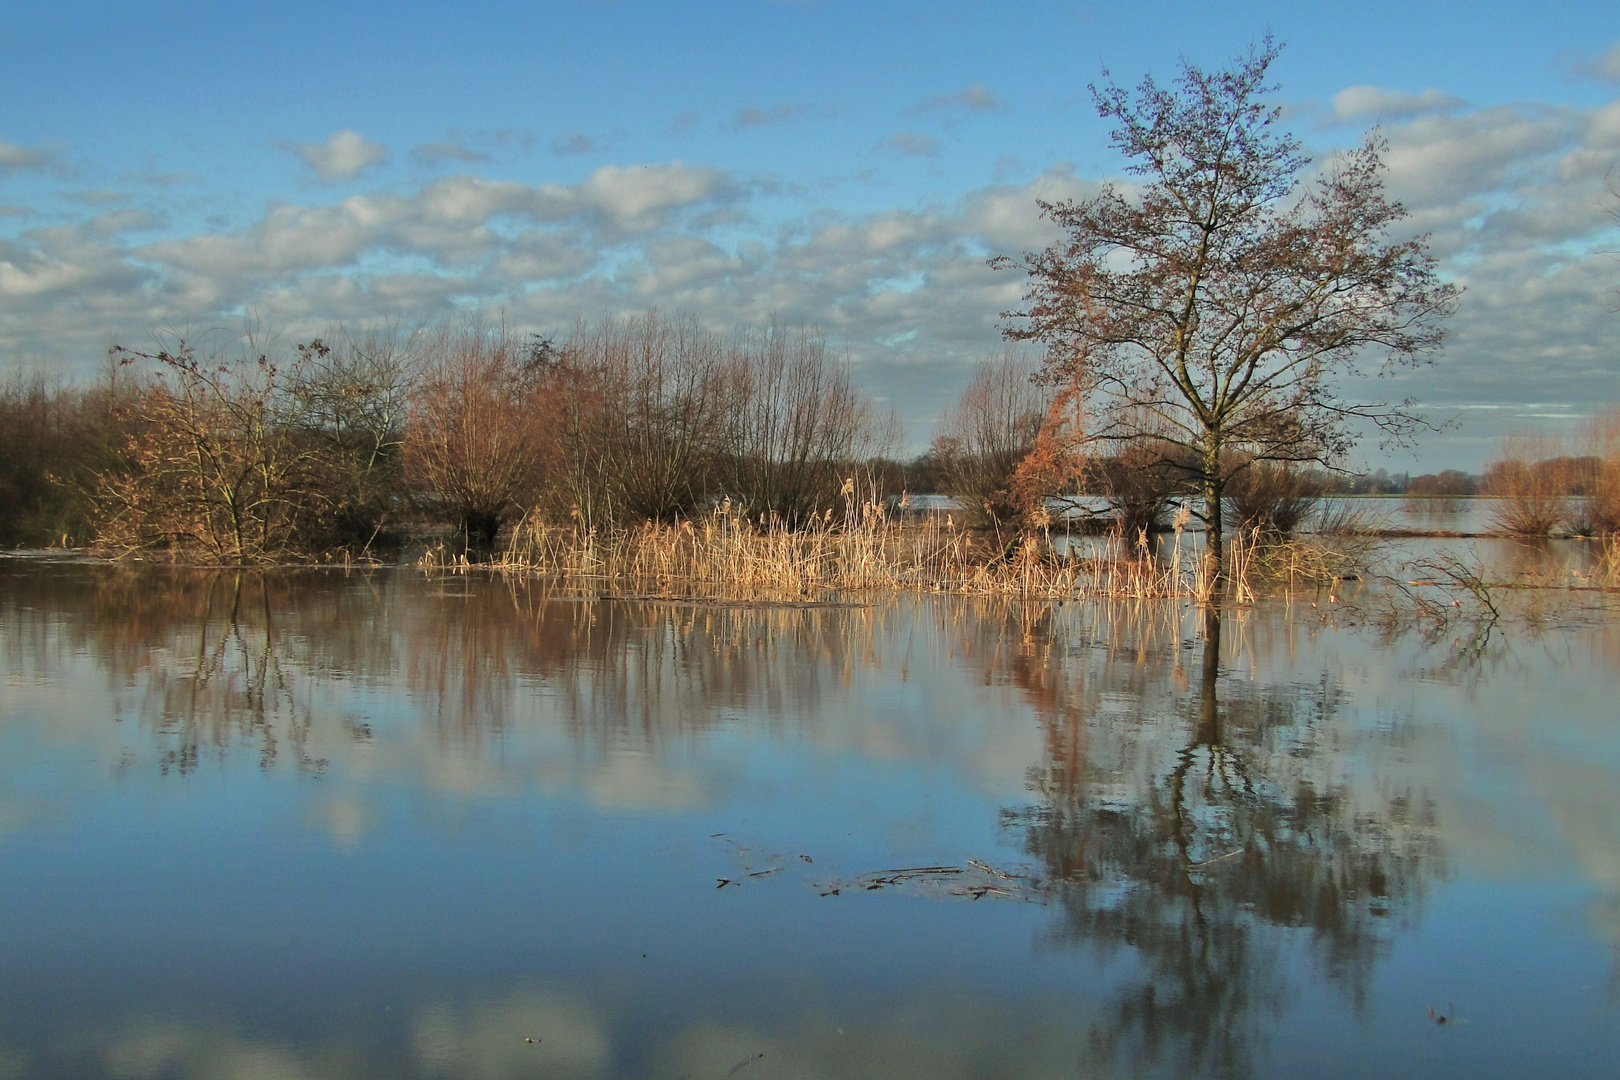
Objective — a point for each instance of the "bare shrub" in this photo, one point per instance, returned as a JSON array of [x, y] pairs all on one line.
[[1271, 498], [211, 469], [55, 438], [1601, 503], [1140, 481], [474, 438], [352, 397], [994, 426], [652, 399], [798, 425], [1530, 489]]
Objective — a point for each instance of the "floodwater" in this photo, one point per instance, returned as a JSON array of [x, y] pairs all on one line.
[[387, 825]]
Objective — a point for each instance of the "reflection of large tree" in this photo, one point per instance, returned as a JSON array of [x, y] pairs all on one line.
[[1205, 861]]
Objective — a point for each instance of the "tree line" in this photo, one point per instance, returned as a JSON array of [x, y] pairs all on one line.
[[341, 444]]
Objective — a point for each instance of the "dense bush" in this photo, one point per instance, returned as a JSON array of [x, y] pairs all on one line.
[[1271, 498]]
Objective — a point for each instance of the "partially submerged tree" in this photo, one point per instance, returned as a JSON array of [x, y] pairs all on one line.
[[474, 438], [212, 469], [352, 397], [798, 424], [1224, 299]]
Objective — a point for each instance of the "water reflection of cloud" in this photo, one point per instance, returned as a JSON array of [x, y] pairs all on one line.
[[486, 1040], [346, 819], [632, 780], [160, 1049], [497, 693], [942, 1037]]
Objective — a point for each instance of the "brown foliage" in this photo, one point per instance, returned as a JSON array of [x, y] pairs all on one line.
[[1601, 507], [211, 468], [1530, 482], [54, 439], [657, 418], [1057, 464], [1447, 482], [475, 439]]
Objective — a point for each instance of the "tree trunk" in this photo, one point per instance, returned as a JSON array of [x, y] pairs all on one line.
[[479, 529], [1215, 532]]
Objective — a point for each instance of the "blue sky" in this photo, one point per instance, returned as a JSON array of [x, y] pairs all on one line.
[[177, 164]]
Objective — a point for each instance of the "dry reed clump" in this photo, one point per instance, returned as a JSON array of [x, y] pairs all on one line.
[[1318, 559], [727, 555]]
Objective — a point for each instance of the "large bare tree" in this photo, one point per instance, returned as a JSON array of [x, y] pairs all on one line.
[[1212, 310]]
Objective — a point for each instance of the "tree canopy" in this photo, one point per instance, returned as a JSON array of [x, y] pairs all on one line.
[[1212, 310]]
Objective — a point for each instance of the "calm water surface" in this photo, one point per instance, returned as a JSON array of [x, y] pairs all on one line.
[[316, 825]]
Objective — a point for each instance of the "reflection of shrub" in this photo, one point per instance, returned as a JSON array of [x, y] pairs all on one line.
[[1433, 504], [1271, 498]]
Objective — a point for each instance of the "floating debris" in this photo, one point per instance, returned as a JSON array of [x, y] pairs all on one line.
[[1441, 1019], [973, 881], [744, 1063]]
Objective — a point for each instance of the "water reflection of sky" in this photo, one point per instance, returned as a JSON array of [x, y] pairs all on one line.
[[380, 825]]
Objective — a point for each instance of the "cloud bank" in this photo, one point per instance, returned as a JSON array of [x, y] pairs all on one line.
[[1513, 197]]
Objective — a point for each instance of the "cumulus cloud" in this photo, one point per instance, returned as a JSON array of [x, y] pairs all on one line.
[[974, 98], [1513, 197], [14, 158], [574, 142], [1605, 67], [342, 156], [775, 114], [911, 144], [1360, 103], [439, 153]]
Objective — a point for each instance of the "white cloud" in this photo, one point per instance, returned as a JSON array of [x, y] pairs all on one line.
[[973, 98], [1358, 103], [911, 144], [1605, 67], [438, 153], [16, 158], [341, 156]]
